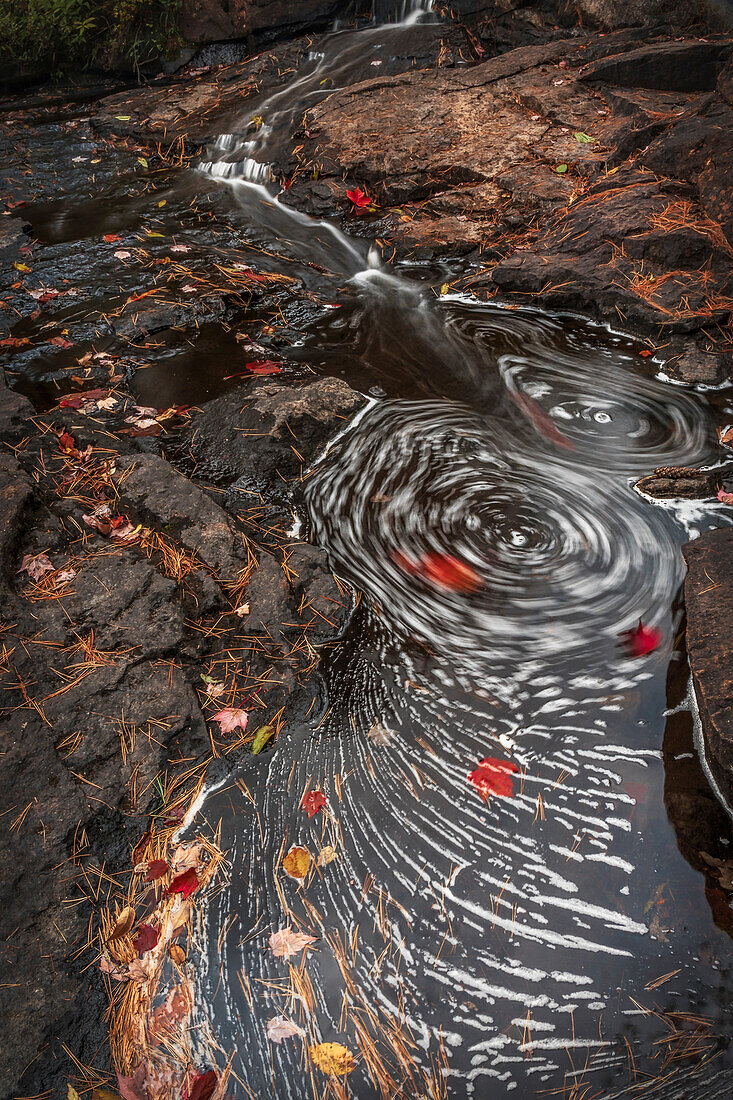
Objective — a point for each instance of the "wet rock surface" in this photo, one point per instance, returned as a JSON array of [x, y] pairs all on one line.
[[599, 184], [263, 439], [680, 483], [102, 675], [709, 599]]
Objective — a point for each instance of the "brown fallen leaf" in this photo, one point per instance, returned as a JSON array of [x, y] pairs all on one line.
[[36, 565], [177, 954], [141, 970], [123, 923], [174, 1010], [379, 734], [134, 1087], [117, 973], [139, 850], [186, 855]]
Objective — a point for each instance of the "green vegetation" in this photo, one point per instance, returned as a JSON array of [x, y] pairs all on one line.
[[61, 33]]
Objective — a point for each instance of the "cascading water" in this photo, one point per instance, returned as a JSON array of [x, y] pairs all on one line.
[[467, 949]]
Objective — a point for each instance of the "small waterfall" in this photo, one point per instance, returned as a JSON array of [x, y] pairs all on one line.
[[400, 11], [246, 158], [410, 10]]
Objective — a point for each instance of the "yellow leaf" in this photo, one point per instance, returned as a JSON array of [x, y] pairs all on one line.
[[445, 289], [332, 1058], [162, 202], [297, 862], [326, 855], [21, 267], [123, 923], [71, 1093], [123, 118]]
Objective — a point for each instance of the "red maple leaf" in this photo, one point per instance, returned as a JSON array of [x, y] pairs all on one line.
[[67, 444], [641, 639], [359, 200], [111, 238], [264, 366], [542, 420], [440, 570], [145, 938], [203, 1085], [493, 776], [313, 801], [76, 400], [184, 884], [156, 869], [61, 342]]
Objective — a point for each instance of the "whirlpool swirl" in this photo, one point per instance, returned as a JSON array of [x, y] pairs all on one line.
[[559, 548]]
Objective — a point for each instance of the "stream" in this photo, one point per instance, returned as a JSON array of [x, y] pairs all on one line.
[[554, 942]]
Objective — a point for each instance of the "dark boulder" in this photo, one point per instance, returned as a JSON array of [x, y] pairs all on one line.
[[158, 495], [215, 20], [675, 66], [608, 14], [265, 438], [709, 599], [16, 491]]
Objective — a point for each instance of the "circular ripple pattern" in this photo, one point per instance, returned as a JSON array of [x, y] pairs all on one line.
[[557, 546], [584, 379]]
